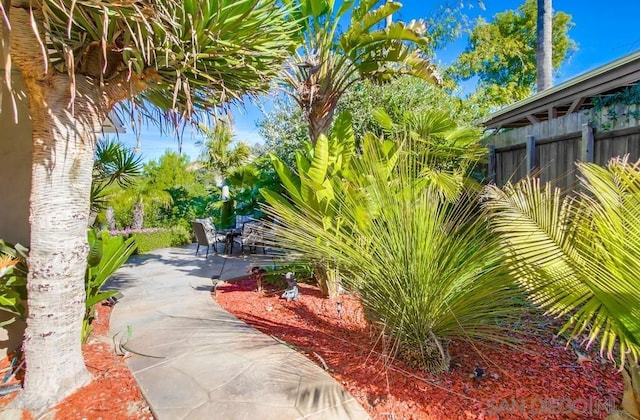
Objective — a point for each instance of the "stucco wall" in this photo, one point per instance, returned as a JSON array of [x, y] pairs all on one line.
[[15, 185], [15, 165]]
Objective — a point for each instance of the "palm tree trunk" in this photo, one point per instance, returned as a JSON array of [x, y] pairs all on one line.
[[630, 406], [63, 149], [319, 121], [544, 49], [111, 218], [328, 280], [64, 140], [138, 215]]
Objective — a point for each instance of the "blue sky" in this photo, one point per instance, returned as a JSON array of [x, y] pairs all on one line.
[[604, 31]]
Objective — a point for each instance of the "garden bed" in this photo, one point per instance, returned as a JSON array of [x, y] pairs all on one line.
[[113, 394], [542, 379]]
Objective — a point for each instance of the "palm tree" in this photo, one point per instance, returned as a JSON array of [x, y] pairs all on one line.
[[578, 257], [79, 59], [544, 47], [216, 151], [145, 191], [218, 156], [330, 61], [114, 164]]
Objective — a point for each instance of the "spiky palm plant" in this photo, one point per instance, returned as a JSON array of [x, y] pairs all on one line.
[[425, 264], [114, 163], [579, 257]]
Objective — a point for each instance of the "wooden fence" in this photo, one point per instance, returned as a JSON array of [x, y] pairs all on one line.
[[551, 148]]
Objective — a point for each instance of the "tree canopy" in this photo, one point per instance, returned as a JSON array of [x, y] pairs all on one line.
[[330, 61], [502, 54]]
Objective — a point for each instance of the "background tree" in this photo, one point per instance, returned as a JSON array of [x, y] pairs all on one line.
[[285, 130], [502, 54], [217, 154], [114, 164], [544, 45], [330, 61], [219, 157], [78, 59]]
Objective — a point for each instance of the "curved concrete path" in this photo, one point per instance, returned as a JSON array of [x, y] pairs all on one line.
[[194, 360]]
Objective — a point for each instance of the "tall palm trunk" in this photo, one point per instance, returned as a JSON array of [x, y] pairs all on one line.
[[138, 215], [544, 51], [62, 159], [111, 218], [63, 149]]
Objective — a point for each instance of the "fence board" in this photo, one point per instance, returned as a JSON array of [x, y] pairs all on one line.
[[559, 143]]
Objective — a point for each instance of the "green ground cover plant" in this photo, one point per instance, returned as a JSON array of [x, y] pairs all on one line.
[[149, 239]]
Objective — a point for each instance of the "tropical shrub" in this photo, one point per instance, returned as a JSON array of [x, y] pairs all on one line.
[[578, 257], [114, 163], [418, 252], [106, 254], [275, 274], [314, 185], [13, 280]]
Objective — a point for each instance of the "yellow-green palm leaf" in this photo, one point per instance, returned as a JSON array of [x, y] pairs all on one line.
[[579, 256]]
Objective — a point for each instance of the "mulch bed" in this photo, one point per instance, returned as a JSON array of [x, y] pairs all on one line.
[[542, 380], [547, 381], [113, 394]]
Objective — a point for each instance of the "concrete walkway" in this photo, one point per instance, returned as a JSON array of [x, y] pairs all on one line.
[[194, 360]]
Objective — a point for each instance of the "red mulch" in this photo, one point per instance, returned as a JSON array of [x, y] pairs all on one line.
[[552, 384], [113, 394]]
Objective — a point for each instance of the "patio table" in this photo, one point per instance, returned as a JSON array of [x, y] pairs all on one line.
[[230, 235]]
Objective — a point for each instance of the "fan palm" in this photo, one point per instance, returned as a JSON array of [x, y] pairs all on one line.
[[330, 61], [114, 164], [578, 257], [79, 59]]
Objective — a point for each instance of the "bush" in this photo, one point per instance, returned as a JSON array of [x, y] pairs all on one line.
[[275, 274], [154, 238], [13, 280], [106, 254]]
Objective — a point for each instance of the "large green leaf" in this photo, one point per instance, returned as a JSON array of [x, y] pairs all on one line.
[[290, 181], [320, 162], [115, 250]]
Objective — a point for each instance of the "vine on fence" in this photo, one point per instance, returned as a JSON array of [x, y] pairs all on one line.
[[627, 97]]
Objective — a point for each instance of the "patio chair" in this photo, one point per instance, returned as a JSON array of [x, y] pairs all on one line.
[[206, 235], [252, 236]]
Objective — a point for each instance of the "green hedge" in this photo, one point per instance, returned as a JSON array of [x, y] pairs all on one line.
[[149, 239]]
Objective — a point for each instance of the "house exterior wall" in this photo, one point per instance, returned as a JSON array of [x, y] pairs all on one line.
[[15, 186], [15, 165]]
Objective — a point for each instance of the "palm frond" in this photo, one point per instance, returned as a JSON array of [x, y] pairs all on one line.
[[578, 257]]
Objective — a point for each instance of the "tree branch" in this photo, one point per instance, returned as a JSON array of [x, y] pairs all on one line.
[[126, 86]]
